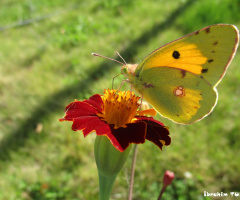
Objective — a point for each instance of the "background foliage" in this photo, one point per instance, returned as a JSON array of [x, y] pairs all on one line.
[[46, 63]]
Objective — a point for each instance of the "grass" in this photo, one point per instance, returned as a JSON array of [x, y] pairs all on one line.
[[47, 64]]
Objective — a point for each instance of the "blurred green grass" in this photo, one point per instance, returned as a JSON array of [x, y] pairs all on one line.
[[46, 63]]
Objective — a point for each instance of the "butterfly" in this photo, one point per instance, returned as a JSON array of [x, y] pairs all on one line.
[[179, 79]]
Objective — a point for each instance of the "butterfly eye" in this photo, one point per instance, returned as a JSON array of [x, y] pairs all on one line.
[[176, 54]]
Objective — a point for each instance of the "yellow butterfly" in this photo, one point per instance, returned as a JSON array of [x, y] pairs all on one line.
[[179, 79]]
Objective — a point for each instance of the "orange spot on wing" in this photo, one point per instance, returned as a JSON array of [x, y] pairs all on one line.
[[191, 58], [179, 91]]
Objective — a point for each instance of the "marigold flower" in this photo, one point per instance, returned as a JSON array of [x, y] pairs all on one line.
[[115, 115]]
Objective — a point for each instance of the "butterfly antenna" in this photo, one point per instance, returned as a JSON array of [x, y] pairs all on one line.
[[95, 54], [121, 57]]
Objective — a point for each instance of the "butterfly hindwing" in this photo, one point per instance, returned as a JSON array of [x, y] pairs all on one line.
[[180, 96]]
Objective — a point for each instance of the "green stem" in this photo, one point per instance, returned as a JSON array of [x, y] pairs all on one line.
[[132, 172], [105, 186]]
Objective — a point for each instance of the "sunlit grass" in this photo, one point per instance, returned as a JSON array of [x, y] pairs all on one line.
[[47, 64], [205, 13]]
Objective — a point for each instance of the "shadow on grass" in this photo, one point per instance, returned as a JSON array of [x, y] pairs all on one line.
[[17, 138]]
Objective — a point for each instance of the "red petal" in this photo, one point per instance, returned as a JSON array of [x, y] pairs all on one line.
[[156, 131], [89, 124], [87, 107], [122, 137], [95, 101], [78, 109]]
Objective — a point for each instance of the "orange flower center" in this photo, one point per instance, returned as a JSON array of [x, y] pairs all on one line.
[[120, 108]]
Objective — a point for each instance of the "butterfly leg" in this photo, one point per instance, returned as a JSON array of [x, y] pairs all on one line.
[[123, 81], [113, 80]]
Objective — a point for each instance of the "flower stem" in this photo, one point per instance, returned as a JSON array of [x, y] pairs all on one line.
[[162, 191], [132, 172], [105, 186]]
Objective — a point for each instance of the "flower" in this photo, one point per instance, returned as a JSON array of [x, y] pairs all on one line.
[[115, 115], [168, 178]]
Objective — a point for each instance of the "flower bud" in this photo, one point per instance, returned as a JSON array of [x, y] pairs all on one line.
[[168, 178]]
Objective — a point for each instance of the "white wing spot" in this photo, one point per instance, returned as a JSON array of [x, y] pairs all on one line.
[[179, 91]]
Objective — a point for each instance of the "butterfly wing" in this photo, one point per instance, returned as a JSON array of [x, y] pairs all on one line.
[[179, 79], [206, 52], [181, 97]]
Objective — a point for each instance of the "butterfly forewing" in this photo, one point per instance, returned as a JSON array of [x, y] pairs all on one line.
[[206, 53]]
